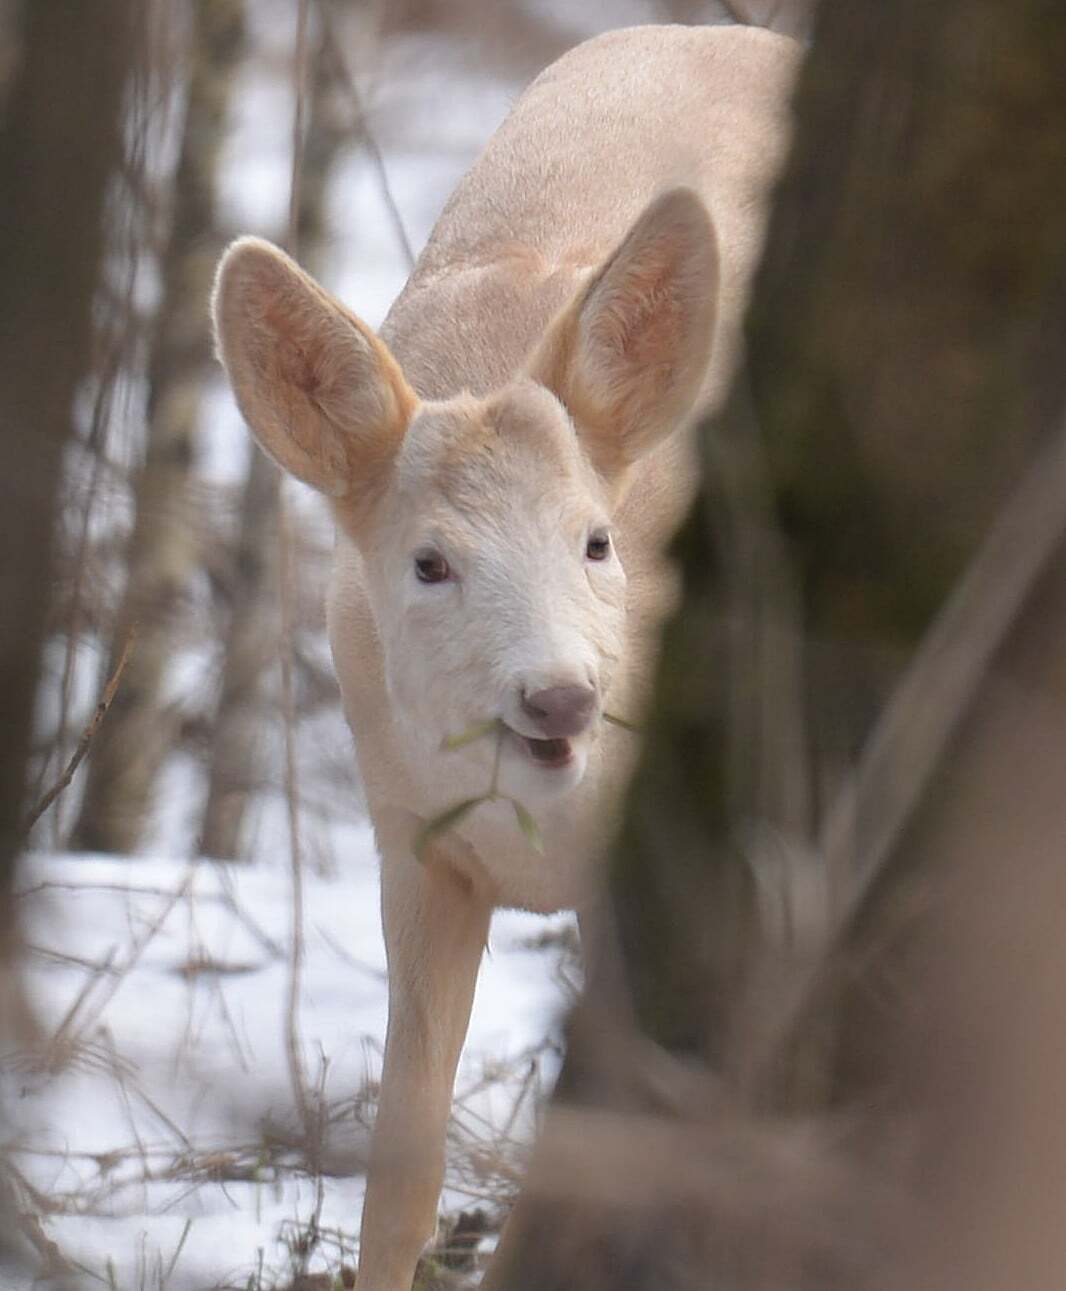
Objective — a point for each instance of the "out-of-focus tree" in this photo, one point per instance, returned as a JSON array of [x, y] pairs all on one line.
[[165, 544], [765, 1081], [59, 152], [238, 758], [50, 259]]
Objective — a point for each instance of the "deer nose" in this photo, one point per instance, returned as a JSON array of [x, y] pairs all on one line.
[[560, 711]]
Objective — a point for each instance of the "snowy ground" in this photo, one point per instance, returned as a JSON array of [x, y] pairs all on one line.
[[159, 1103]]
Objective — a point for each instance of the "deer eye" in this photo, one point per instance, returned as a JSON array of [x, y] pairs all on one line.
[[431, 567], [599, 545]]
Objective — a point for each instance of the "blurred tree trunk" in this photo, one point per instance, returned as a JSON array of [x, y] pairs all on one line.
[[905, 340], [238, 753], [130, 750], [50, 258], [238, 756], [58, 153]]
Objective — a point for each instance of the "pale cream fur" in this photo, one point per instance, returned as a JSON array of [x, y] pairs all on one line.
[[578, 302]]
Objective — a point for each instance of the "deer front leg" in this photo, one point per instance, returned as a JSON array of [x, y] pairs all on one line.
[[435, 929]]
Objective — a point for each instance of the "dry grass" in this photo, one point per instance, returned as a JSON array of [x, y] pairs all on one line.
[[162, 1164]]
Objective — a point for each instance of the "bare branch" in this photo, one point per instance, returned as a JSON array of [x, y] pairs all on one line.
[[110, 690]]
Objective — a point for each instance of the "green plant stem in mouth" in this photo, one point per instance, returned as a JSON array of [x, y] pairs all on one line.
[[480, 729], [458, 811], [621, 721], [476, 732], [494, 786]]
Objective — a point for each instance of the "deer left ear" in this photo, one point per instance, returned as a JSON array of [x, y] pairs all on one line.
[[628, 355], [322, 394]]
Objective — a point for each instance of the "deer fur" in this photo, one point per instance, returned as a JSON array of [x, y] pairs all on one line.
[[578, 303]]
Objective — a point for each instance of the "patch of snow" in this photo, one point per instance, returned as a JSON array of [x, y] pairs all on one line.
[[164, 985]]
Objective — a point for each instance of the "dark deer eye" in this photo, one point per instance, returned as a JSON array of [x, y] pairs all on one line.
[[431, 567], [599, 545]]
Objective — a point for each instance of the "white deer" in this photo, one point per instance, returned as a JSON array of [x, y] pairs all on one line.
[[504, 465]]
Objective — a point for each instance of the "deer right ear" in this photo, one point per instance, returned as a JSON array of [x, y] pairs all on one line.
[[322, 394], [629, 354]]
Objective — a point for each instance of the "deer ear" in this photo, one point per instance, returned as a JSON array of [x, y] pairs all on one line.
[[322, 394], [629, 354]]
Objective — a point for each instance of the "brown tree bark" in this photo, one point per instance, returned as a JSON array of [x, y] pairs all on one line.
[[50, 258], [164, 547], [778, 1104], [50, 267]]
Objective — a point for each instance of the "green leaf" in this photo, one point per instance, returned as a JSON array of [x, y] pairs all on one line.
[[621, 721], [472, 733], [528, 826], [441, 824]]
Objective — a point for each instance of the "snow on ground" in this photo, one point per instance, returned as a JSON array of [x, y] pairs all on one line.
[[162, 1098]]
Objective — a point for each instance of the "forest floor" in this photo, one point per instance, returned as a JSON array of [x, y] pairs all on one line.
[[152, 1124]]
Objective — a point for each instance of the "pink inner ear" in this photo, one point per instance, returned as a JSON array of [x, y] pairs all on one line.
[[296, 366], [637, 323], [629, 355]]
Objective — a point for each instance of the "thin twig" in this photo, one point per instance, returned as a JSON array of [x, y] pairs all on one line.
[[333, 49], [54, 1261], [938, 689], [224, 896], [296, 957], [52, 1258], [124, 1093], [297, 1074], [907, 746], [105, 967], [62, 957], [106, 700], [739, 12], [299, 129], [165, 1279], [120, 974]]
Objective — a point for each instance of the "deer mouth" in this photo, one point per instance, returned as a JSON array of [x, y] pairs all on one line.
[[550, 754]]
